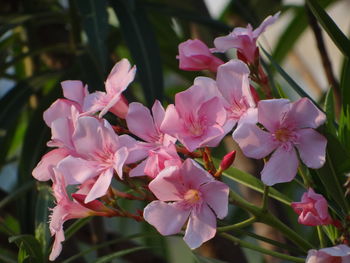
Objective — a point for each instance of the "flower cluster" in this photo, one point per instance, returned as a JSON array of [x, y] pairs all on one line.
[[159, 147]]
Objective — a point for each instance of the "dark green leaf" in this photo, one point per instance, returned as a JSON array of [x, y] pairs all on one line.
[[95, 23], [118, 254], [30, 245], [345, 84], [329, 109], [338, 37], [76, 226], [15, 195], [143, 46]]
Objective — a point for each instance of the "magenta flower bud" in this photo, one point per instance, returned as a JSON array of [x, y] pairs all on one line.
[[227, 161], [312, 210]]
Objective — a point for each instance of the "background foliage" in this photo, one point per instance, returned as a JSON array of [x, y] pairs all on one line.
[[43, 42]]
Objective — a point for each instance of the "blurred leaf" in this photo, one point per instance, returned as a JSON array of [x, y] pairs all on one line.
[[344, 127], [95, 23], [43, 203], [339, 154], [345, 83], [118, 254], [293, 31], [30, 245], [15, 195], [72, 229], [141, 41], [7, 259], [338, 37], [201, 259], [329, 109]]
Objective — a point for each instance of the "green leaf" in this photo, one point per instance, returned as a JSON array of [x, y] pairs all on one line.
[[251, 182], [30, 245], [344, 127], [141, 41], [338, 37], [345, 84], [329, 109], [15, 195], [118, 254], [95, 23], [339, 154], [72, 229]]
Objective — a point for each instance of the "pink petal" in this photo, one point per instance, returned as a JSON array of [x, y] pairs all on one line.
[[136, 151], [304, 114], [62, 131], [74, 90], [172, 123], [201, 227], [94, 102], [222, 44], [101, 186], [213, 112], [282, 167], [57, 245], [167, 186], [268, 21], [271, 112], [119, 160], [194, 175], [254, 142], [140, 122], [312, 148], [139, 170], [215, 194], [233, 82], [43, 171], [158, 113], [61, 108], [77, 170], [337, 251], [167, 218]]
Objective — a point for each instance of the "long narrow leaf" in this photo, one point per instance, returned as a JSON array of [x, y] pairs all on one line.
[[338, 37], [118, 254]]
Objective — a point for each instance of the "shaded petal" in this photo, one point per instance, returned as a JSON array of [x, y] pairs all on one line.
[[222, 44], [271, 112], [282, 167], [43, 171], [140, 122], [101, 186], [167, 218], [172, 123], [74, 90], [213, 112], [194, 175], [312, 148], [136, 151], [254, 142], [94, 102], [57, 244], [139, 170], [77, 170], [201, 227], [62, 131], [167, 186], [120, 77], [267, 21], [215, 194], [61, 108], [119, 159], [158, 113], [304, 114]]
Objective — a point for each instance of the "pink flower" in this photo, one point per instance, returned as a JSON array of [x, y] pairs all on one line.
[[112, 100], [195, 55], [244, 39], [66, 209], [197, 118], [233, 83], [287, 126], [187, 192], [336, 254], [99, 152], [312, 210]]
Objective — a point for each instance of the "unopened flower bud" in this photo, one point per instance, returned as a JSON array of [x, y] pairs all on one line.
[[227, 160]]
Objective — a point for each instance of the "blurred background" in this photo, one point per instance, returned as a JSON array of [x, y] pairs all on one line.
[[43, 42]]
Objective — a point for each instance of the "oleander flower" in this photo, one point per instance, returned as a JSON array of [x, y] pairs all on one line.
[[336, 254], [312, 210], [187, 192], [244, 39], [195, 55], [287, 127]]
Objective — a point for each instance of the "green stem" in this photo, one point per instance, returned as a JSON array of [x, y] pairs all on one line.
[[307, 181], [265, 197], [271, 220], [245, 244], [239, 225], [321, 237]]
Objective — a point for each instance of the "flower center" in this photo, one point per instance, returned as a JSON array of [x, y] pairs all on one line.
[[283, 135], [237, 108], [192, 196]]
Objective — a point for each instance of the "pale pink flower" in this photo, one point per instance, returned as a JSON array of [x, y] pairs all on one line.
[[287, 126], [195, 55], [67, 209], [112, 100], [336, 254], [98, 153], [233, 83], [187, 192], [244, 39], [197, 118], [312, 210]]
